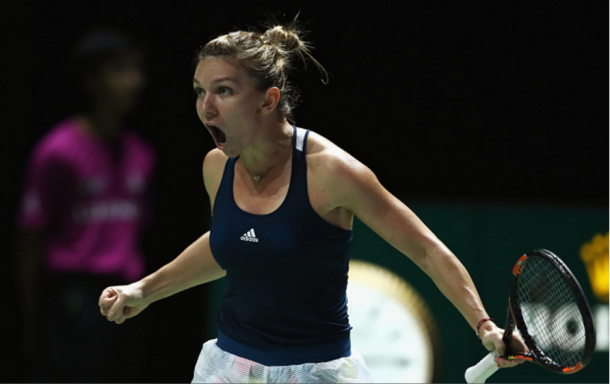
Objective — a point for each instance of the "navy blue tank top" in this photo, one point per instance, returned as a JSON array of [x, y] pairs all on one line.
[[285, 295]]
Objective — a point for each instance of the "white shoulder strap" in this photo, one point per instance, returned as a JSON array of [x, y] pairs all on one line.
[[300, 139]]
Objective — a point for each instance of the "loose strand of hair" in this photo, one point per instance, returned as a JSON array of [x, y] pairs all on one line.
[[306, 47]]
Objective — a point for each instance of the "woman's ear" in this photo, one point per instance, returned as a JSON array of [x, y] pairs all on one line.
[[272, 98]]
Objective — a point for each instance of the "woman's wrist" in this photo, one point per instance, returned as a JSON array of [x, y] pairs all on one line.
[[485, 325], [156, 286], [143, 287]]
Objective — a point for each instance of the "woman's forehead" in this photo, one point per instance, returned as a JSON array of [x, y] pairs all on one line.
[[215, 69]]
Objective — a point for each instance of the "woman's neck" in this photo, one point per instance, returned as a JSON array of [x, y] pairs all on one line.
[[270, 149]]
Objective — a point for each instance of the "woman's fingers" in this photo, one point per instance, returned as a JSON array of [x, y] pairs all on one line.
[[493, 340], [124, 315], [120, 303], [107, 299], [505, 363], [112, 302], [116, 310]]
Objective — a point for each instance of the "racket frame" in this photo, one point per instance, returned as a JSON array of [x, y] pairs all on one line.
[[515, 316]]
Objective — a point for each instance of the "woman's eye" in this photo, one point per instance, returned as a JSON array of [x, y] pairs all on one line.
[[199, 92], [224, 91]]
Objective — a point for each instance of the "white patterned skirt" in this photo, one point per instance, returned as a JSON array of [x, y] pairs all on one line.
[[217, 366]]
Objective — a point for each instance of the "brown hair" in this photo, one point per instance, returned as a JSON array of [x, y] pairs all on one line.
[[266, 57]]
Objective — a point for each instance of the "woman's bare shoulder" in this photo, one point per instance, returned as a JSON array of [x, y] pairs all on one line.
[[327, 156], [345, 181], [213, 168]]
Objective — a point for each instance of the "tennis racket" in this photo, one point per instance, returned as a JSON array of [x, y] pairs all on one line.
[[546, 305]]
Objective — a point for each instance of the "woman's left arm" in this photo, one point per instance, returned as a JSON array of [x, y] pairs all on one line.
[[359, 191]]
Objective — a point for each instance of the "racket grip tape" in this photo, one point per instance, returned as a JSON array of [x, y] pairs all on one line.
[[482, 370]]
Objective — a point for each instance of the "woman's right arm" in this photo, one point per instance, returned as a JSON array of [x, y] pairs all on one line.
[[194, 266]]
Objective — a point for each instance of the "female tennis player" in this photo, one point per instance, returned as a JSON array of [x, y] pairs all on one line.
[[283, 200]]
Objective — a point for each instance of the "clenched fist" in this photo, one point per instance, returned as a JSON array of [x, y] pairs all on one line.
[[122, 302]]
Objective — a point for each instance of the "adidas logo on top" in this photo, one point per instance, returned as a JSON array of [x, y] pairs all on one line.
[[249, 236]]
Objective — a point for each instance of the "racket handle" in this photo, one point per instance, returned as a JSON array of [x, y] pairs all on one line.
[[482, 370]]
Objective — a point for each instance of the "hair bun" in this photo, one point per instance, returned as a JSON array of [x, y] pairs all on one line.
[[285, 39]]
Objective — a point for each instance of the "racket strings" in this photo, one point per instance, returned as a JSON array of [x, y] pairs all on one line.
[[550, 312]]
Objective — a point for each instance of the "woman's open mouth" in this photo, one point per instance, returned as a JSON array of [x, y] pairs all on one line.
[[219, 136]]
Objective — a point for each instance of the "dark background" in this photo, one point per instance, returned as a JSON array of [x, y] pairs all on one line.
[[444, 101]]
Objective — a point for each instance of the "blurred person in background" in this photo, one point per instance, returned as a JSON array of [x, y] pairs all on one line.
[[86, 202]]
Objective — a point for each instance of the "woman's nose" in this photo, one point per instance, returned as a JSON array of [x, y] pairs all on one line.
[[207, 105]]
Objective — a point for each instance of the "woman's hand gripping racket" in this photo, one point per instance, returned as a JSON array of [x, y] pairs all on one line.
[[547, 307]]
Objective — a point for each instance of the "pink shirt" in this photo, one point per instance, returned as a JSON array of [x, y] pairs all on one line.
[[89, 200]]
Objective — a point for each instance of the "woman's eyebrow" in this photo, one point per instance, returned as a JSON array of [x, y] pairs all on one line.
[[226, 78]]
